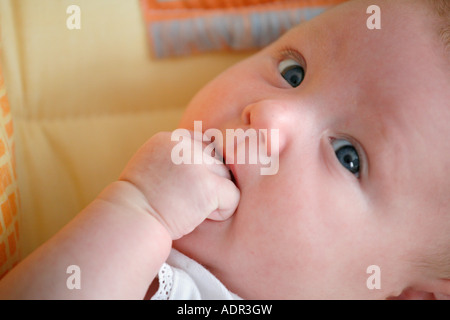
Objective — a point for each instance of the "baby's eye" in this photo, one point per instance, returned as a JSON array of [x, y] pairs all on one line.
[[347, 155], [292, 72]]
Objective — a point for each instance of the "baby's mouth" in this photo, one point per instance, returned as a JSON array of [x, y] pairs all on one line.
[[232, 175], [232, 169], [220, 154]]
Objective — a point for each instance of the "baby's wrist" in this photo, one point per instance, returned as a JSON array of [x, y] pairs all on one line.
[[127, 197]]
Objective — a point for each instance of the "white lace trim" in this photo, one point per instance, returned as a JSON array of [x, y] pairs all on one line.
[[182, 278], [165, 278]]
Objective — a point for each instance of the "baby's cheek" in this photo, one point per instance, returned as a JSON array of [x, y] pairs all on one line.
[[222, 100], [205, 108]]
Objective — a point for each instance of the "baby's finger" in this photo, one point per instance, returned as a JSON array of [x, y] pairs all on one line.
[[228, 196], [216, 166]]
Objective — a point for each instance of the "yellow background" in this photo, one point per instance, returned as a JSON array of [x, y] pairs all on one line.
[[83, 101]]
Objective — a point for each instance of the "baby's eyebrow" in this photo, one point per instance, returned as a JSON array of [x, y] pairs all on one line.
[[311, 38]]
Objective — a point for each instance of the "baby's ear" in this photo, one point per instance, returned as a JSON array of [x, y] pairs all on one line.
[[435, 290]]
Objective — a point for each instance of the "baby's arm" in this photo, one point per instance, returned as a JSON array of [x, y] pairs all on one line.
[[122, 238], [117, 245]]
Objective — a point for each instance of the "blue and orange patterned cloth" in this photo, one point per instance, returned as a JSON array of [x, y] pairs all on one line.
[[184, 27]]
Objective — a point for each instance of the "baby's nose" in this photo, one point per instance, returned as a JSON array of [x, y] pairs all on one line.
[[271, 115]]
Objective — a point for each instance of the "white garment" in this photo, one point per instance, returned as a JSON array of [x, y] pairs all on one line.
[[182, 278]]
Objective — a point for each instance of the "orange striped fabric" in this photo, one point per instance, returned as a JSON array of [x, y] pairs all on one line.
[[9, 217], [182, 27]]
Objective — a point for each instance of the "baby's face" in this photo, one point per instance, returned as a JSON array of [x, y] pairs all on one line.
[[363, 147]]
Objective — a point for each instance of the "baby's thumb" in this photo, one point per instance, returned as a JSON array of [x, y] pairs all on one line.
[[228, 196]]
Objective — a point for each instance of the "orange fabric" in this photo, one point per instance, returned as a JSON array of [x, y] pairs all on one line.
[[9, 219], [206, 4], [156, 11], [229, 4], [3, 256]]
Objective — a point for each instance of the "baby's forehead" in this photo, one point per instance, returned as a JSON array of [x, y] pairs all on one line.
[[402, 25]]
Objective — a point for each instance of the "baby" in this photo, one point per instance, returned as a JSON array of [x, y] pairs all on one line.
[[363, 178]]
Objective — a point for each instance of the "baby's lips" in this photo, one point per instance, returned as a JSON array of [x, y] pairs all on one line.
[[232, 169], [229, 166], [221, 156]]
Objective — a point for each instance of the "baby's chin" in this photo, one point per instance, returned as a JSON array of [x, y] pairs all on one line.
[[203, 244]]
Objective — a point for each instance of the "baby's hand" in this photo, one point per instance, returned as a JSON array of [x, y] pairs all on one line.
[[181, 196]]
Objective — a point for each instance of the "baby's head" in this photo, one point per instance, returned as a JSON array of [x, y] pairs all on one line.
[[364, 158]]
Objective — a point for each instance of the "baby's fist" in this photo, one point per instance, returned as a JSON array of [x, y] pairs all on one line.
[[181, 196]]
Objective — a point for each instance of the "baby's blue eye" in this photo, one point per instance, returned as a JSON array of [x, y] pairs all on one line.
[[347, 155], [292, 72]]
